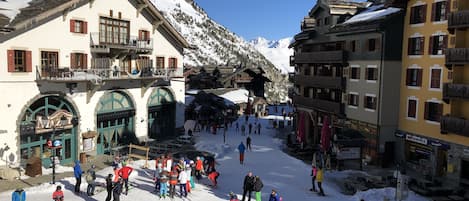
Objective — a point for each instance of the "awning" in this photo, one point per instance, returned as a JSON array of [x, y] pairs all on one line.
[[89, 134]]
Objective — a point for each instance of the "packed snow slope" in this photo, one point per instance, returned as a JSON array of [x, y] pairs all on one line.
[[276, 169]]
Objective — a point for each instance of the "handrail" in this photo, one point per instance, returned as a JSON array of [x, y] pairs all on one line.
[[130, 41]]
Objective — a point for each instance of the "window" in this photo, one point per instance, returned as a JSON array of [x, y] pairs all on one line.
[[326, 21], [438, 44], [307, 71], [433, 111], [412, 108], [414, 77], [318, 22], [113, 31], [353, 100], [49, 59], [79, 61], [143, 35], [78, 26], [19, 61], [355, 73], [418, 14], [415, 46], [371, 73], [435, 78], [440, 10], [353, 45], [172, 63], [370, 102], [372, 44], [159, 62]]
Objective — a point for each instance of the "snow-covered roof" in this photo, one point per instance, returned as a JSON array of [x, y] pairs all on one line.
[[372, 13], [237, 96], [11, 8]]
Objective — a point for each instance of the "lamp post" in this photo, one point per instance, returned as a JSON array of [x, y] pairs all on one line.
[[56, 146], [225, 126]]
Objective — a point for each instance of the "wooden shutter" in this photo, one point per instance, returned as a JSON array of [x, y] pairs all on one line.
[[175, 62], [377, 44], [140, 34], [419, 77], [422, 45], [445, 43], [147, 35], [430, 45], [426, 114], [424, 13], [11, 60], [29, 65], [72, 60], [409, 46], [85, 61], [433, 12], [72, 26], [85, 27], [408, 77]]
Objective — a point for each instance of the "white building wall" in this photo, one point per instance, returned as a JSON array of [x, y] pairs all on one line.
[[18, 89]]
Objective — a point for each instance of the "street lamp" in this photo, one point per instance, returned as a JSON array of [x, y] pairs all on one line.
[[225, 126], [56, 145]]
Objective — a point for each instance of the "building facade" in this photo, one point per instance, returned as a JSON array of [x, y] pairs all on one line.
[[432, 128], [90, 76]]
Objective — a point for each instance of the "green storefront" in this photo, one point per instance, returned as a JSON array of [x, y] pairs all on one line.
[[115, 121], [49, 118], [161, 114]]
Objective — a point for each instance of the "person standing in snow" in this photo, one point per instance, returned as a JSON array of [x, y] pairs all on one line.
[[18, 195], [91, 180], [77, 172], [313, 179], [191, 179], [163, 183], [182, 183], [241, 149], [237, 127], [58, 194], [173, 180], [248, 186], [274, 196], [250, 128], [109, 187], [199, 168], [188, 174], [117, 190], [259, 128], [243, 130], [124, 173], [213, 176], [320, 178], [257, 187], [248, 143]]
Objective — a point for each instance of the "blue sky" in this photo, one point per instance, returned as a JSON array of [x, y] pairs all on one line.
[[271, 19]]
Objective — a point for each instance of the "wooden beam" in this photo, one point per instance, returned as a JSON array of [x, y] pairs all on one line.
[[140, 7], [91, 89], [91, 3], [156, 24]]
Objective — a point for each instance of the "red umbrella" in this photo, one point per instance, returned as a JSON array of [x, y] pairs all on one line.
[[301, 128], [325, 134]]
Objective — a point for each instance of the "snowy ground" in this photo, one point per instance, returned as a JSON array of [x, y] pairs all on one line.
[[277, 170]]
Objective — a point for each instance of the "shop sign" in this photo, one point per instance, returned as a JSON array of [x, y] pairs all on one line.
[[88, 144], [60, 119], [345, 153], [416, 139]]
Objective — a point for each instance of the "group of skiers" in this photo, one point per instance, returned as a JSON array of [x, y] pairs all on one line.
[[170, 173], [254, 183]]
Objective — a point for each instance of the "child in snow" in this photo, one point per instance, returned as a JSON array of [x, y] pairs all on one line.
[[58, 195], [213, 176], [163, 180], [233, 197], [274, 196], [313, 174]]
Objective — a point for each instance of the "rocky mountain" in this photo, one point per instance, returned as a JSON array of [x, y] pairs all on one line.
[[214, 44], [276, 51]]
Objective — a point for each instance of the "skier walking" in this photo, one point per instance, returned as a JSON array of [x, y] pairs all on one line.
[[241, 149], [243, 130], [257, 187], [320, 178], [250, 128], [248, 143], [117, 190], [248, 186], [124, 173], [58, 194], [109, 187], [77, 172], [313, 177]]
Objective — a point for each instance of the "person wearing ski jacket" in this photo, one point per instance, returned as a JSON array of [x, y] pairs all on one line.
[[319, 179], [109, 187], [274, 196], [314, 171], [182, 183], [188, 173], [90, 179], [248, 185], [213, 176], [192, 183], [257, 187], [117, 189], [173, 181], [124, 173], [77, 173], [163, 183], [241, 149], [58, 194], [199, 168]]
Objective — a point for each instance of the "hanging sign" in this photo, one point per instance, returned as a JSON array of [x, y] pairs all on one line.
[[416, 139]]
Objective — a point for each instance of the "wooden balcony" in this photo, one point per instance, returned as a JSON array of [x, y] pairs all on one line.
[[318, 104], [458, 20], [457, 56], [320, 81], [100, 44], [322, 57], [455, 91], [456, 125]]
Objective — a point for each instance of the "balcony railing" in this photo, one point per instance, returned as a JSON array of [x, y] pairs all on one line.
[[458, 19], [323, 105], [320, 81], [97, 75], [456, 125], [132, 42], [455, 91], [457, 56], [327, 57]]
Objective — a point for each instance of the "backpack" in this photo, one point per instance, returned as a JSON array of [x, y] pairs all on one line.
[[89, 177]]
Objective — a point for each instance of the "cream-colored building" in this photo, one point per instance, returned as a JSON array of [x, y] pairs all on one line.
[[427, 109], [89, 74]]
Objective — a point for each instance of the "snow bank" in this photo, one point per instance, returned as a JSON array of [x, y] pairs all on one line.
[[236, 96]]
